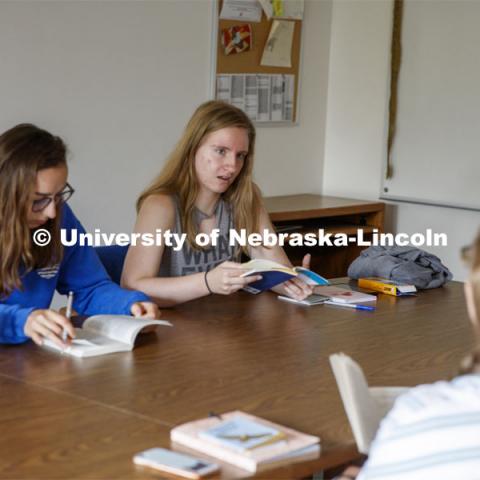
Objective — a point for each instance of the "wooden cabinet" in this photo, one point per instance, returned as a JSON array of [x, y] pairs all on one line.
[[307, 213]]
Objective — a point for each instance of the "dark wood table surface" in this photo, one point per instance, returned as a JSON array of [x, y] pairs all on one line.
[[66, 418]]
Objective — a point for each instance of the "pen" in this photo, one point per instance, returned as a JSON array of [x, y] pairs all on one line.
[[350, 305], [68, 314]]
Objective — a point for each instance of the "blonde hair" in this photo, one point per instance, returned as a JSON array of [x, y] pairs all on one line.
[[178, 175], [471, 254], [24, 150]]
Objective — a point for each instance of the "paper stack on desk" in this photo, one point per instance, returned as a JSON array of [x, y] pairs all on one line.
[[246, 441]]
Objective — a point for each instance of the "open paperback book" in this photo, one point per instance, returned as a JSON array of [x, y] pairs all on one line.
[[365, 407], [274, 273], [102, 334], [246, 441]]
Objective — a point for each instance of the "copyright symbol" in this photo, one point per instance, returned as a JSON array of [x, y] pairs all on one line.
[[42, 237]]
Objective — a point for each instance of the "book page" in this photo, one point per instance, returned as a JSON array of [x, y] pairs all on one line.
[[262, 265], [361, 408], [88, 343], [121, 328], [385, 397]]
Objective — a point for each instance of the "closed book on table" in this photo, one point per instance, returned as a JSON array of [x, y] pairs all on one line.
[[246, 441], [390, 287], [344, 295]]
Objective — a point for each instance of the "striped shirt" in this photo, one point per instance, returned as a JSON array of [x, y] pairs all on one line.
[[432, 432]]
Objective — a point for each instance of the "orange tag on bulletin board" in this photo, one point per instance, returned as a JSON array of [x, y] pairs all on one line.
[[237, 39]]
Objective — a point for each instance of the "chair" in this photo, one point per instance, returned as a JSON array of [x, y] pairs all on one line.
[[113, 258]]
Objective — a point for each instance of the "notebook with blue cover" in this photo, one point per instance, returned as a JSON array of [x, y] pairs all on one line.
[[274, 273], [242, 434]]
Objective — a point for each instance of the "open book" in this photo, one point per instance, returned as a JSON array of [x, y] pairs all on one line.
[[274, 273], [246, 441], [102, 334], [365, 407]]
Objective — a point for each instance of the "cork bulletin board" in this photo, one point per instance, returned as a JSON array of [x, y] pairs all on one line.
[[248, 64]]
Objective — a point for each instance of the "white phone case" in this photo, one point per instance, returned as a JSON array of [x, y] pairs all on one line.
[[175, 463]]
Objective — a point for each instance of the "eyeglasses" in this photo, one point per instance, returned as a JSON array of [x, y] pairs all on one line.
[[59, 198]]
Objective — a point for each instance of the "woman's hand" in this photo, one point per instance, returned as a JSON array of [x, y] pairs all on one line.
[[145, 310], [226, 278], [296, 288], [49, 324]]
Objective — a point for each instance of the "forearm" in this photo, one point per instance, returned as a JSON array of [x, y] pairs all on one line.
[[105, 297], [170, 291], [12, 323]]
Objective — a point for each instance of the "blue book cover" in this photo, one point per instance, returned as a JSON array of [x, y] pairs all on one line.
[[273, 274], [269, 280]]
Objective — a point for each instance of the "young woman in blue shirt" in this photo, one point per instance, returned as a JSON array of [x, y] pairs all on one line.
[[33, 195]]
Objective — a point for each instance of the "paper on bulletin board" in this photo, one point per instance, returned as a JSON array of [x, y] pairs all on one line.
[[278, 48], [263, 97], [283, 9], [245, 10]]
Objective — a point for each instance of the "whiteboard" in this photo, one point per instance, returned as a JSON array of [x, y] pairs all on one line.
[[436, 151]]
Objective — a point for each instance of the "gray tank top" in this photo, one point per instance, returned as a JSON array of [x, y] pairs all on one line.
[[187, 260]]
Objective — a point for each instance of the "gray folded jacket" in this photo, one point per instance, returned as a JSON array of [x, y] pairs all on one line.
[[407, 265]]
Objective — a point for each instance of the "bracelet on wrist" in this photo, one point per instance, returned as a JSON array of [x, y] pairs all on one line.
[[206, 283]]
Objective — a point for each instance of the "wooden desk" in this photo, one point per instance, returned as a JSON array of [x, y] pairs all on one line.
[[66, 418], [307, 213]]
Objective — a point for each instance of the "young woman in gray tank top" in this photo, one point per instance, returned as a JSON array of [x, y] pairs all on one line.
[[206, 186]]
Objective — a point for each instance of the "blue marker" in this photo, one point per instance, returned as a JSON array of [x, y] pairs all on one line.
[[350, 305]]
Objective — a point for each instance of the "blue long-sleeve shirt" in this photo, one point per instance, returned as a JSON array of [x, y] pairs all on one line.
[[81, 272]]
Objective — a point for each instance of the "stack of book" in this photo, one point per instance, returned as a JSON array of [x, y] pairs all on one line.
[[246, 441]]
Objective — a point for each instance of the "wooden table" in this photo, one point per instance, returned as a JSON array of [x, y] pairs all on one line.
[[307, 213], [67, 418]]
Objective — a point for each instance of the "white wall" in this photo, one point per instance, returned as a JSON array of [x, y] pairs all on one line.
[[118, 80], [356, 126]]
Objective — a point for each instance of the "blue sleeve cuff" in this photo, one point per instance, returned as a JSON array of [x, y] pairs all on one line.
[[13, 327], [136, 297]]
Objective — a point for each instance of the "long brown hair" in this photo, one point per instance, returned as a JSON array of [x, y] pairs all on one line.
[[178, 175], [471, 254], [24, 150]]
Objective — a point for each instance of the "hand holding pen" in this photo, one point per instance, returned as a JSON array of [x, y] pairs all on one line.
[[47, 323]]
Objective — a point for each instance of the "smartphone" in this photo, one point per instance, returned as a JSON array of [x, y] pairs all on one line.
[[175, 463]]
